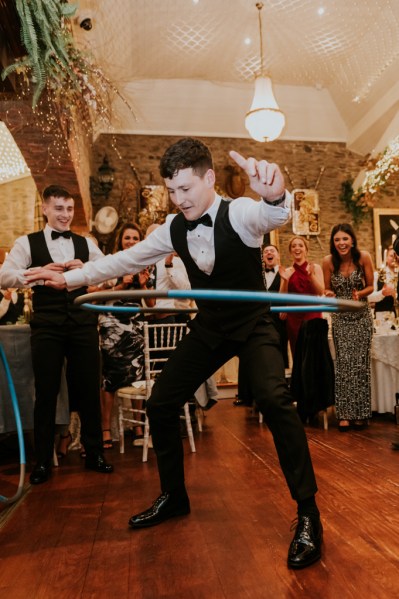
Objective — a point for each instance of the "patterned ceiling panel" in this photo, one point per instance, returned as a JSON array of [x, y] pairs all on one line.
[[349, 47]]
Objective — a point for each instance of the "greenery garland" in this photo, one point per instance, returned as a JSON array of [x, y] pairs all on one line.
[[354, 203]]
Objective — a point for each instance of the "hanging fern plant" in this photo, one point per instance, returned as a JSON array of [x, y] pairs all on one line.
[[48, 43]]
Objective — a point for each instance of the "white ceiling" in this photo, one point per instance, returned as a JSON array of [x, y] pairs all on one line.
[[184, 66]]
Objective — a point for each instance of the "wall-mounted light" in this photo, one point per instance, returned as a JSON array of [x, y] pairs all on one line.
[[102, 184]]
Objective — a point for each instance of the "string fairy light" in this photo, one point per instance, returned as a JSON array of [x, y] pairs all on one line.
[[74, 97]]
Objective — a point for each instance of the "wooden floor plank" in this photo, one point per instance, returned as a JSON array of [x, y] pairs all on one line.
[[69, 539]]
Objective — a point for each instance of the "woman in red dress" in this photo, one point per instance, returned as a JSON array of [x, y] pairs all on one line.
[[302, 277]]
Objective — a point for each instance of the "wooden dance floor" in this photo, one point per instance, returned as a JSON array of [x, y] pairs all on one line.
[[69, 539]]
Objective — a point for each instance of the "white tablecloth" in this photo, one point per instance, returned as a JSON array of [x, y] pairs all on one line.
[[384, 370]]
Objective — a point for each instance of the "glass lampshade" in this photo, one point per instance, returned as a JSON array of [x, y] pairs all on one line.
[[264, 121]]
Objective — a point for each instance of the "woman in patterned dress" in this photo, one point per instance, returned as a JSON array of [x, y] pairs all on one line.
[[121, 336], [348, 274]]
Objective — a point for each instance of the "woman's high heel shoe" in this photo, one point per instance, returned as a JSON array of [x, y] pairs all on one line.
[[360, 425], [344, 426], [107, 443], [63, 445]]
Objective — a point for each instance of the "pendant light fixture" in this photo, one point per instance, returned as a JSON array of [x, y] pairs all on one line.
[[264, 121]]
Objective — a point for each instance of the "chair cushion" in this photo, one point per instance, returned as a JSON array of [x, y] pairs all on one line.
[[133, 391]]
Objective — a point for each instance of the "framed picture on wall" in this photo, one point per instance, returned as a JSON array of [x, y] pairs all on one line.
[[386, 228], [306, 212], [271, 239]]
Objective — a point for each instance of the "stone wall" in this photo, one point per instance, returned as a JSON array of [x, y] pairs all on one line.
[[303, 161], [17, 203]]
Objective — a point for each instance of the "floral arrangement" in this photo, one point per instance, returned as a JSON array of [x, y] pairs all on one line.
[[359, 202], [386, 164]]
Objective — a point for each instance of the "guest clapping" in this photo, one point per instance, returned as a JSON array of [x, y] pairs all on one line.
[[121, 338], [302, 277], [386, 285], [348, 274]]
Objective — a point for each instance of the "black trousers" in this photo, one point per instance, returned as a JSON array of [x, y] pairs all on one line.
[[78, 345], [193, 362]]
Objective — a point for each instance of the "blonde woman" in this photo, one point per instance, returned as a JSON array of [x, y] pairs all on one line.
[[302, 277]]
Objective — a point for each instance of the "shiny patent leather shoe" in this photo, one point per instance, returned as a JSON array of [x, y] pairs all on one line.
[[98, 464], [40, 474], [163, 508], [238, 402], [305, 548]]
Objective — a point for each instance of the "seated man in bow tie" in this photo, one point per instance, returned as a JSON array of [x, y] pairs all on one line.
[[219, 243], [59, 331]]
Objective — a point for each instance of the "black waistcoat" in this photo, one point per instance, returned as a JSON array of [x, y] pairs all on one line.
[[14, 311], [52, 306], [275, 286], [237, 267], [387, 304]]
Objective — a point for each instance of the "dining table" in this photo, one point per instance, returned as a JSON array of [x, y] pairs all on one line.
[[384, 368], [15, 339]]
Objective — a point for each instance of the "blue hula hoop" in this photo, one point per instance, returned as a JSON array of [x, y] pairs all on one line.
[[302, 303], [19, 430]]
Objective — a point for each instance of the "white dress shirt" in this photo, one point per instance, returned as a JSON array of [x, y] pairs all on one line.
[[377, 296], [170, 278], [250, 219], [19, 258]]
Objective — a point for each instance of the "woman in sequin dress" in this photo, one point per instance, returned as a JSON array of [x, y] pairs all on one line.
[[121, 336], [302, 277], [348, 274]]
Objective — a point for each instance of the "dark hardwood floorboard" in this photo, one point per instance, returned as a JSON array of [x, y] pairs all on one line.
[[69, 538]]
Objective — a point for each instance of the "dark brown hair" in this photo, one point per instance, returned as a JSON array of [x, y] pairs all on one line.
[[186, 153], [55, 191], [355, 253], [119, 235]]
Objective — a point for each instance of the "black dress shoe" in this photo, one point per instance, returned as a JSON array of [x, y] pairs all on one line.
[[98, 463], [395, 446], [40, 474], [305, 548], [238, 402], [163, 508]]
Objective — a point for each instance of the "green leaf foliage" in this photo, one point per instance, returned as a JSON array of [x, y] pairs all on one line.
[[354, 202], [48, 44]]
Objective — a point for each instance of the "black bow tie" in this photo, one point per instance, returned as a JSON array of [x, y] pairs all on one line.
[[56, 234], [205, 220], [269, 269]]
